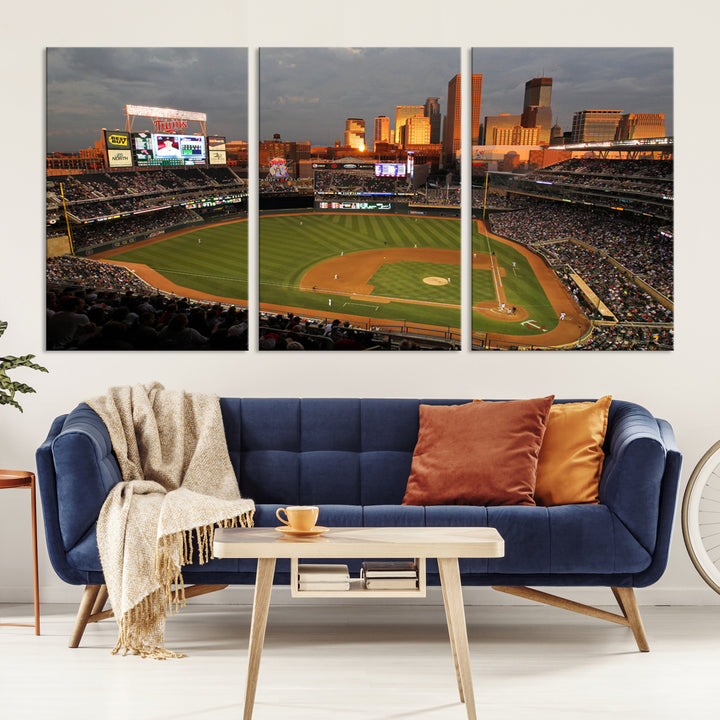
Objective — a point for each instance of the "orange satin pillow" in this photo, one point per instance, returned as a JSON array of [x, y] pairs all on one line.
[[477, 453], [571, 457]]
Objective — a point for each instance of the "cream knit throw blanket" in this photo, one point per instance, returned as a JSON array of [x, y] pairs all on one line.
[[178, 483]]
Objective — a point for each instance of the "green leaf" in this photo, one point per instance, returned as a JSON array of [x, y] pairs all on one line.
[[8, 387]]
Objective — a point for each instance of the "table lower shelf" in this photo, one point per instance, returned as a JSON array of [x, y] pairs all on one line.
[[357, 587]]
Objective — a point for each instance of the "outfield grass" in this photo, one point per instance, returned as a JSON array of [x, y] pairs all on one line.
[[216, 265], [292, 244]]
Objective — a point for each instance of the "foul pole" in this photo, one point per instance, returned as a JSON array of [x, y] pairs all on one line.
[[67, 220]]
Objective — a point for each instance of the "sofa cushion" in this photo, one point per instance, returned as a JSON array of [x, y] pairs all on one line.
[[571, 456], [478, 453]]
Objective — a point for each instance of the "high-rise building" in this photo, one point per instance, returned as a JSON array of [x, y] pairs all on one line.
[[494, 124], [517, 135], [538, 91], [453, 123], [537, 110], [382, 130], [402, 113], [355, 133], [633, 126], [595, 125], [417, 130], [556, 135], [432, 111]]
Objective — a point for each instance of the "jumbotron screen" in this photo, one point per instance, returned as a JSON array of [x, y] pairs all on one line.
[[390, 170], [163, 149]]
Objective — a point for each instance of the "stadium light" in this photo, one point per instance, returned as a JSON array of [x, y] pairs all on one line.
[[146, 111]]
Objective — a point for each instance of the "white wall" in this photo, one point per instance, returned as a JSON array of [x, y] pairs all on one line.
[[681, 386]]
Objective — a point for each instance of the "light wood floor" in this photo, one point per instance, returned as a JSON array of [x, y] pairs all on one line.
[[386, 662]]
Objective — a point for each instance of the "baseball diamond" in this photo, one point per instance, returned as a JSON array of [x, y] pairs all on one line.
[[367, 266]]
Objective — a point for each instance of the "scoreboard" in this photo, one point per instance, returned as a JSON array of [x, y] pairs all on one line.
[[163, 149], [390, 170]]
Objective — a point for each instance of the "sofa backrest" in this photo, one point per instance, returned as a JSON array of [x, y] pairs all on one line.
[[323, 450]]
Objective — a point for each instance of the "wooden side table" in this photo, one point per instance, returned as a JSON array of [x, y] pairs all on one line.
[[24, 479]]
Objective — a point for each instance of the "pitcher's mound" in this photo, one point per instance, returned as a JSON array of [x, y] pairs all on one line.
[[434, 280]]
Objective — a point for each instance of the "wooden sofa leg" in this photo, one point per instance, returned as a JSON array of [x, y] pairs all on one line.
[[93, 603], [625, 597], [628, 604], [84, 612], [100, 600]]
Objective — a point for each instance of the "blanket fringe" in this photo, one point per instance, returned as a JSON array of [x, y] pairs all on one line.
[[146, 619]]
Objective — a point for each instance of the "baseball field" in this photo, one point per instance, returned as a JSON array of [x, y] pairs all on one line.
[[386, 267], [390, 268]]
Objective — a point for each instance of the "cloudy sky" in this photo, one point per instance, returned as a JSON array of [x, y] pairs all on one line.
[[307, 93], [88, 89], [634, 80]]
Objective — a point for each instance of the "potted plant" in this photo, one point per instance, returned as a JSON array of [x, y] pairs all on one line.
[[9, 387]]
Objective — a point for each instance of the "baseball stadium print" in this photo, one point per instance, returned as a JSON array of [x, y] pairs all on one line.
[[572, 199], [146, 210], [365, 235], [359, 229]]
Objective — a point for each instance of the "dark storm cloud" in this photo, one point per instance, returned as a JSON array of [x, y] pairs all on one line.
[[308, 93], [88, 88], [627, 79]]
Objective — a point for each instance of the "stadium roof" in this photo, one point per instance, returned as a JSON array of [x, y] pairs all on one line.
[[663, 144]]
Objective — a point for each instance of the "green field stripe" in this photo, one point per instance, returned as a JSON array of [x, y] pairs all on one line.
[[217, 265]]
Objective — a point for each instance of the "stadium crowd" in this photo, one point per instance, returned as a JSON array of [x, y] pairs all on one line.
[[610, 252], [639, 186], [96, 306], [291, 332], [93, 234], [330, 182], [645, 249], [111, 206]]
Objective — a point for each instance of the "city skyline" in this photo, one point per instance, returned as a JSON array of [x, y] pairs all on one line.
[[630, 79], [307, 94]]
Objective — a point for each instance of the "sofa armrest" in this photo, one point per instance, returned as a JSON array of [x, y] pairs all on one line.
[[634, 469], [85, 470]]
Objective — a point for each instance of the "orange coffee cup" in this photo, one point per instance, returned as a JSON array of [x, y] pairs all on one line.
[[299, 517]]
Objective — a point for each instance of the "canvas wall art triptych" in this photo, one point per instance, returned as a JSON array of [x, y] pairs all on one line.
[[359, 199]]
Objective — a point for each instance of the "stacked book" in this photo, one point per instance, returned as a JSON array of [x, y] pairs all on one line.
[[323, 577], [389, 575]]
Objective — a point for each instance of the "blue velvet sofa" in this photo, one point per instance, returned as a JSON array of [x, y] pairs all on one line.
[[352, 457]]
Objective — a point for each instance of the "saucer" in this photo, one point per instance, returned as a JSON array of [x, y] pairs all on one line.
[[317, 530]]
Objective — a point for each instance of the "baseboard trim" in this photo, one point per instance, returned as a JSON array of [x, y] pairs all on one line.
[[243, 595]]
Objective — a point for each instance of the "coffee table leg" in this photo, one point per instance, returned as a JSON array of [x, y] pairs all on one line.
[[451, 633], [261, 605], [457, 629]]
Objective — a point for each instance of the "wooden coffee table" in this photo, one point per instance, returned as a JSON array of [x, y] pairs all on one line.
[[446, 544]]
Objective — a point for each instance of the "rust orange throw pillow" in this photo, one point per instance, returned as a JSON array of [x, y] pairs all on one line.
[[571, 457], [477, 453]]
